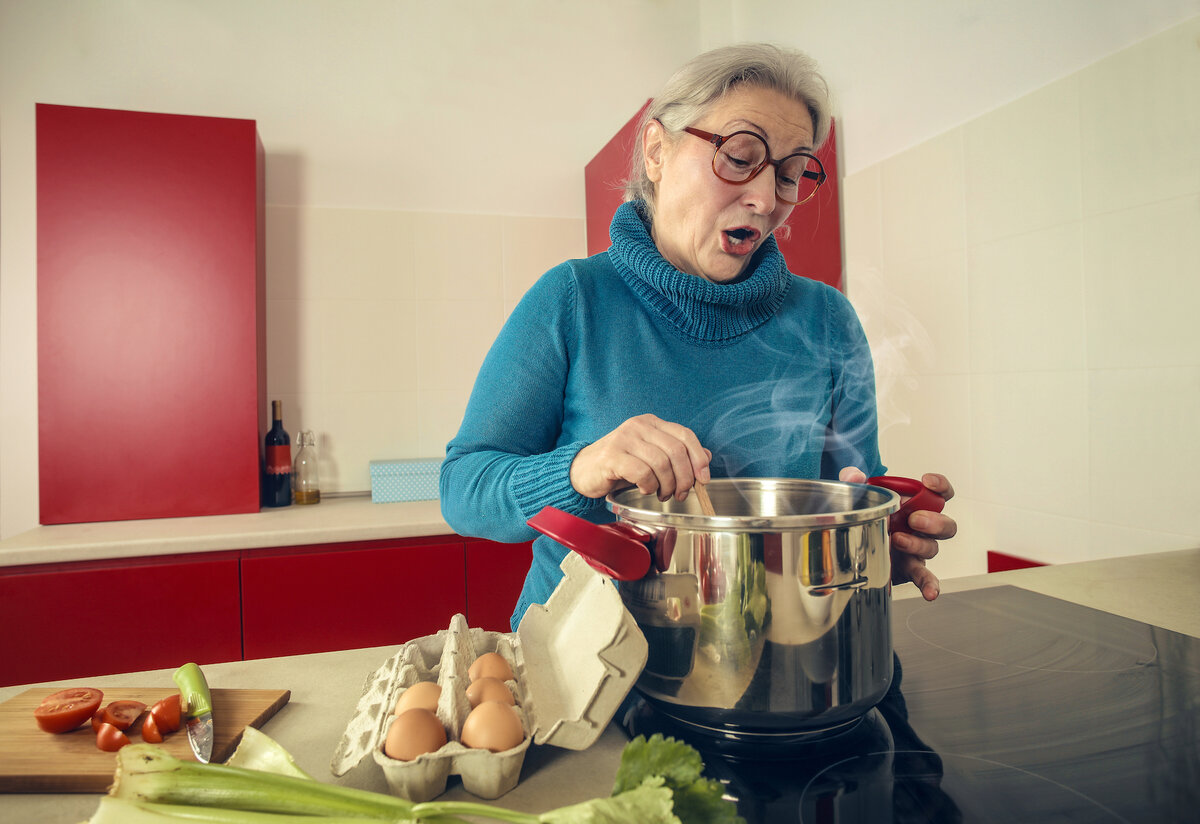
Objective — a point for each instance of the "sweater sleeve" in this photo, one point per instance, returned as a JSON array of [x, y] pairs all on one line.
[[853, 435], [506, 462]]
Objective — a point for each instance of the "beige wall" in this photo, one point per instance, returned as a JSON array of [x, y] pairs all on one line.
[[377, 322], [1029, 282]]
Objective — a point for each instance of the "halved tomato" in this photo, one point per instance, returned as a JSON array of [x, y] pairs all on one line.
[[66, 709], [167, 713], [109, 738], [150, 732], [121, 714]]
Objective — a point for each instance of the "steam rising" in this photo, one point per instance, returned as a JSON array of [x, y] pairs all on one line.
[[900, 346], [772, 414], [764, 419]]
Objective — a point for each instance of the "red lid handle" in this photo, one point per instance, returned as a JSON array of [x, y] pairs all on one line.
[[920, 498], [618, 550]]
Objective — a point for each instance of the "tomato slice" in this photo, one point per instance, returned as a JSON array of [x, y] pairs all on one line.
[[150, 732], [121, 714], [109, 738], [167, 713], [67, 709]]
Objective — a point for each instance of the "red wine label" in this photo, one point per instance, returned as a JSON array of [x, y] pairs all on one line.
[[279, 459]]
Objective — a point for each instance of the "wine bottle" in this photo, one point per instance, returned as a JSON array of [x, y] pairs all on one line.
[[277, 475]]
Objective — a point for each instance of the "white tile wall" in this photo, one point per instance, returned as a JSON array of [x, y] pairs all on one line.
[[1047, 255], [1140, 116], [531, 247], [1022, 164], [1026, 302], [932, 293], [862, 225], [1142, 273], [923, 200], [1030, 439], [934, 434], [1143, 448], [377, 322]]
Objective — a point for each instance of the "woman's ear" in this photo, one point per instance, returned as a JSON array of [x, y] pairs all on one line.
[[653, 150]]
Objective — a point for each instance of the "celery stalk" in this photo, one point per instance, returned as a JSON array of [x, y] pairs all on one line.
[[123, 811], [151, 786], [435, 810], [148, 773]]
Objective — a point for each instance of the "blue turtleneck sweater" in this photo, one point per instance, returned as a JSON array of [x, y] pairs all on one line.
[[772, 373]]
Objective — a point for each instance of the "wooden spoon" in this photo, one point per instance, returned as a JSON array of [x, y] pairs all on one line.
[[705, 502]]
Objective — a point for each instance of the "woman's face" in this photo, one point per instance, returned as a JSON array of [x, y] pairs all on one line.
[[702, 225]]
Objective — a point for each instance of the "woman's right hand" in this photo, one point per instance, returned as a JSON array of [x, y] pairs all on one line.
[[656, 456]]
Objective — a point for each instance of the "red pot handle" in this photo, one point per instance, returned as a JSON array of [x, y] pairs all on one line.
[[617, 550], [920, 498]]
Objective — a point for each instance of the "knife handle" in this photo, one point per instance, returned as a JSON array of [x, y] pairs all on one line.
[[193, 688]]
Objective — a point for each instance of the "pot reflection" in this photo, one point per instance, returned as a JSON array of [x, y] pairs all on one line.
[[874, 768], [857, 786]]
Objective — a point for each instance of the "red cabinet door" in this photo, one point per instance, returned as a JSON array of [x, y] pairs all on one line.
[[495, 574], [76, 620], [151, 346], [346, 596]]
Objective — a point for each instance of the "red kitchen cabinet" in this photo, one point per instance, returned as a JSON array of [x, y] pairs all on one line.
[[495, 574], [151, 318], [344, 596], [604, 179], [75, 620]]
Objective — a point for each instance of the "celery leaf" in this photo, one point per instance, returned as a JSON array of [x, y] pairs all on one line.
[[649, 803], [697, 800]]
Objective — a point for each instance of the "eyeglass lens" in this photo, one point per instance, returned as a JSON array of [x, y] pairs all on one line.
[[742, 154]]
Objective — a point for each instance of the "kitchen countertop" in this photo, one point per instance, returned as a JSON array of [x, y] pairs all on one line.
[[1157, 589], [333, 520]]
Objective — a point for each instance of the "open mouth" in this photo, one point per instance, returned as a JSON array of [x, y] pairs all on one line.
[[739, 241]]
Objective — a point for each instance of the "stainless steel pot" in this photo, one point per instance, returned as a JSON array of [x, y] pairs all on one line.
[[769, 619]]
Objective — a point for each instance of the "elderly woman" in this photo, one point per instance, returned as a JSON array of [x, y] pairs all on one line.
[[687, 350]]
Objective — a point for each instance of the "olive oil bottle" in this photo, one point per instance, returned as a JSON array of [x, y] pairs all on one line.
[[306, 486]]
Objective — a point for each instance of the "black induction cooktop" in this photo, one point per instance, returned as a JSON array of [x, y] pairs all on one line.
[[1006, 706]]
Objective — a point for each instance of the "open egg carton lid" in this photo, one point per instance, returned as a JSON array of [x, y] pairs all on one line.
[[574, 660]]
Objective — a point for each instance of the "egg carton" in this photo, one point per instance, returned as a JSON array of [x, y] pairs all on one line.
[[574, 660]]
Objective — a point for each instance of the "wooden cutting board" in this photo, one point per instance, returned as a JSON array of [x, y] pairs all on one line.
[[33, 761]]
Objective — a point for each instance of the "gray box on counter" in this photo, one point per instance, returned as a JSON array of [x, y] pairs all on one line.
[[410, 479]]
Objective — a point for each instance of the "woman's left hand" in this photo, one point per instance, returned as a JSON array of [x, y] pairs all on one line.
[[910, 551]]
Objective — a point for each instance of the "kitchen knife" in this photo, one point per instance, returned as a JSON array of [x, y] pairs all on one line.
[[197, 709]]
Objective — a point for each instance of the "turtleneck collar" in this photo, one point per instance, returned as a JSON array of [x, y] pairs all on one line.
[[700, 309]]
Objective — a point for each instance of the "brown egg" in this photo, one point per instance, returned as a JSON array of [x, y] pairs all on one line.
[[414, 732], [490, 665], [489, 689], [492, 726], [423, 694]]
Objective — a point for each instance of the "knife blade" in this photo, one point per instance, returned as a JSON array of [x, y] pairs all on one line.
[[196, 703]]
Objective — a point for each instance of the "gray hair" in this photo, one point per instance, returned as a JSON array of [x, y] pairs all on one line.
[[705, 79]]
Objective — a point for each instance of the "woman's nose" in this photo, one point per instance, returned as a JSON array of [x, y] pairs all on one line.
[[760, 192]]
